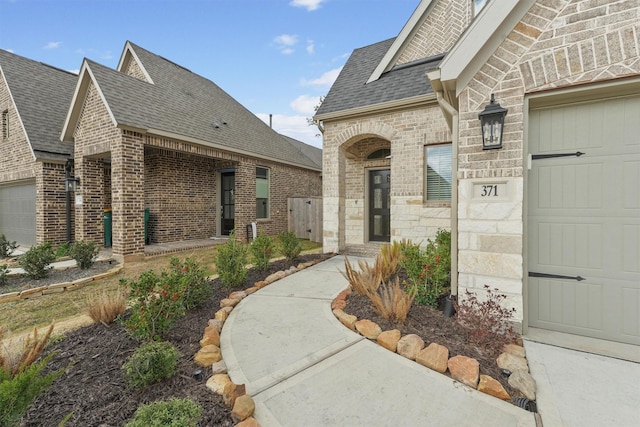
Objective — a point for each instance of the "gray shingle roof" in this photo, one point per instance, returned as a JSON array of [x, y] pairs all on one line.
[[186, 104], [351, 89], [314, 153], [42, 95]]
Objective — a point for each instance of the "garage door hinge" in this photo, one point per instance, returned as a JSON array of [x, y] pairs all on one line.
[[551, 156], [556, 276]]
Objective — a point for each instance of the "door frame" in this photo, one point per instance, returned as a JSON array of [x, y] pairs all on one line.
[[219, 203], [367, 200]]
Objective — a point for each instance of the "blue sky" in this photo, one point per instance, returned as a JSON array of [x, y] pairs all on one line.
[[273, 56]]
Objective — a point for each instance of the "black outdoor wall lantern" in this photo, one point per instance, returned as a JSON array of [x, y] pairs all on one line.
[[71, 184], [492, 121]]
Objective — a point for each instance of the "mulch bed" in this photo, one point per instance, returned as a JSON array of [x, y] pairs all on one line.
[[93, 387]]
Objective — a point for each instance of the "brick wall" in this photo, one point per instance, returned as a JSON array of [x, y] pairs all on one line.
[[134, 70], [51, 199], [439, 31]]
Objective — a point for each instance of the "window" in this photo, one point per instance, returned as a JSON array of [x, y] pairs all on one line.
[[438, 172], [5, 124], [478, 5], [383, 153], [262, 193]]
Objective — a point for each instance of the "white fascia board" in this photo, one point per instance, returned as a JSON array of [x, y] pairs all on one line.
[[129, 50], [486, 32], [383, 106], [396, 48]]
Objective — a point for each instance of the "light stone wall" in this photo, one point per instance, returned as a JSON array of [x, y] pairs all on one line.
[[347, 143], [558, 44]]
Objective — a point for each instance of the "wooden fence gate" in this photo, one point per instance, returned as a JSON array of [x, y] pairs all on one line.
[[305, 217]]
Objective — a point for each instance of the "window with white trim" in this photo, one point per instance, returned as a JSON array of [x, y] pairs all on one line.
[[438, 172], [262, 193]]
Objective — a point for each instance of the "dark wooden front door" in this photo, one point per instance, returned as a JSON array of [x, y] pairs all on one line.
[[228, 202], [379, 205]]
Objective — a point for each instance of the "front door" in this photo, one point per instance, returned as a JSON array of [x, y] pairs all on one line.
[[228, 202], [379, 205]]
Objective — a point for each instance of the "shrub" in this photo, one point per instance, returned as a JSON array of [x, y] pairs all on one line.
[[171, 413], [290, 246], [106, 308], [6, 247], [156, 306], [18, 391], [428, 270], [150, 363], [231, 262], [262, 251], [188, 278], [484, 320], [84, 253], [63, 250], [4, 272], [35, 261]]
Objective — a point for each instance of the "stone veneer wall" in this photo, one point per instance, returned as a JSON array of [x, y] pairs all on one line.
[[439, 31], [557, 44], [346, 145]]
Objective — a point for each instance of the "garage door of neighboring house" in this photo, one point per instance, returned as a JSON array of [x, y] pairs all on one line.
[[18, 213], [584, 219]]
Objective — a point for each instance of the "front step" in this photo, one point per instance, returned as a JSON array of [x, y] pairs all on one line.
[[369, 250]]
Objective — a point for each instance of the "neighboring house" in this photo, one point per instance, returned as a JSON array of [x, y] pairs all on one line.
[[153, 135], [34, 99], [556, 231]]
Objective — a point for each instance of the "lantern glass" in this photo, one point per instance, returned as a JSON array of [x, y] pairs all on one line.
[[492, 122]]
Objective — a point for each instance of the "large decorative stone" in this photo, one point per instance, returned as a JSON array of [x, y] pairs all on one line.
[[346, 319], [409, 346], [368, 329], [339, 304], [217, 382], [219, 368], [239, 295], [261, 284], [229, 302], [249, 422], [231, 392], [211, 337], [243, 408], [221, 315], [208, 355], [464, 369], [275, 276], [493, 387], [512, 363], [435, 357], [214, 325], [514, 349], [389, 339], [523, 382], [251, 290]]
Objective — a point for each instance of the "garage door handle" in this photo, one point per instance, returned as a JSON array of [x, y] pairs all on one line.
[[556, 276], [551, 156]]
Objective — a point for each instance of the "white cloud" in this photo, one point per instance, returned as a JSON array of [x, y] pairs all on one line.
[[326, 79], [52, 45], [294, 127], [305, 104], [311, 5], [285, 43], [311, 48]]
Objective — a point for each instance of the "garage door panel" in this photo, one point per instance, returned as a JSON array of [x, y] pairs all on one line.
[[18, 213], [584, 220]]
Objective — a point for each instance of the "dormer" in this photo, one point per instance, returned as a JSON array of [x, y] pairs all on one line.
[[131, 65]]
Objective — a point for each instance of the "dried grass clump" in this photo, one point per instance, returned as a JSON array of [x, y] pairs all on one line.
[[366, 281], [388, 260], [106, 307], [32, 349], [393, 302]]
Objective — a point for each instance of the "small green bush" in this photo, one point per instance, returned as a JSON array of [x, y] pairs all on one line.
[[290, 246], [6, 247], [35, 261], [18, 392], [84, 253], [262, 250], [231, 262], [171, 413], [151, 363], [4, 272], [190, 281], [63, 250]]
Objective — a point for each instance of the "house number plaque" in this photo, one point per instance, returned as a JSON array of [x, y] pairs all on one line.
[[490, 191]]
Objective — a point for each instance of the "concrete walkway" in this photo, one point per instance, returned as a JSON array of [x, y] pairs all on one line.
[[304, 368]]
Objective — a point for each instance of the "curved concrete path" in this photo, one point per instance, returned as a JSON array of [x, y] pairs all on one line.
[[302, 367]]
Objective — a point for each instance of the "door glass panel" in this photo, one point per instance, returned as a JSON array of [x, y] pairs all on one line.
[[377, 225], [377, 198], [377, 179]]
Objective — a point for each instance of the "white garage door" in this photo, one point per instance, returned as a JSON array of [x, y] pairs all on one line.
[[18, 213], [584, 219]]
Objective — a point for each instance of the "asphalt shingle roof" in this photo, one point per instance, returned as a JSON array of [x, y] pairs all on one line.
[[42, 95], [186, 104], [351, 89]]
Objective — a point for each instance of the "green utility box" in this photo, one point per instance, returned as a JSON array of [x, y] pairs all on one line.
[[146, 226], [107, 228]]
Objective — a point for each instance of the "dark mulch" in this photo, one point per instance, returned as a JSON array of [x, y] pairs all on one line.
[[22, 282], [93, 387], [431, 325]]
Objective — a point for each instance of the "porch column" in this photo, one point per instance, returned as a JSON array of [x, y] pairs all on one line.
[[333, 193], [89, 203], [245, 197], [127, 195]]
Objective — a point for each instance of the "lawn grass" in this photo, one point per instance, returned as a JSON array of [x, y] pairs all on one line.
[[22, 316]]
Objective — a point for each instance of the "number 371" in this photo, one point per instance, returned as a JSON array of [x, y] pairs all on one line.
[[489, 191]]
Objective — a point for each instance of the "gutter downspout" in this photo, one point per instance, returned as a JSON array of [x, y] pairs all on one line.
[[67, 174], [453, 113]]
